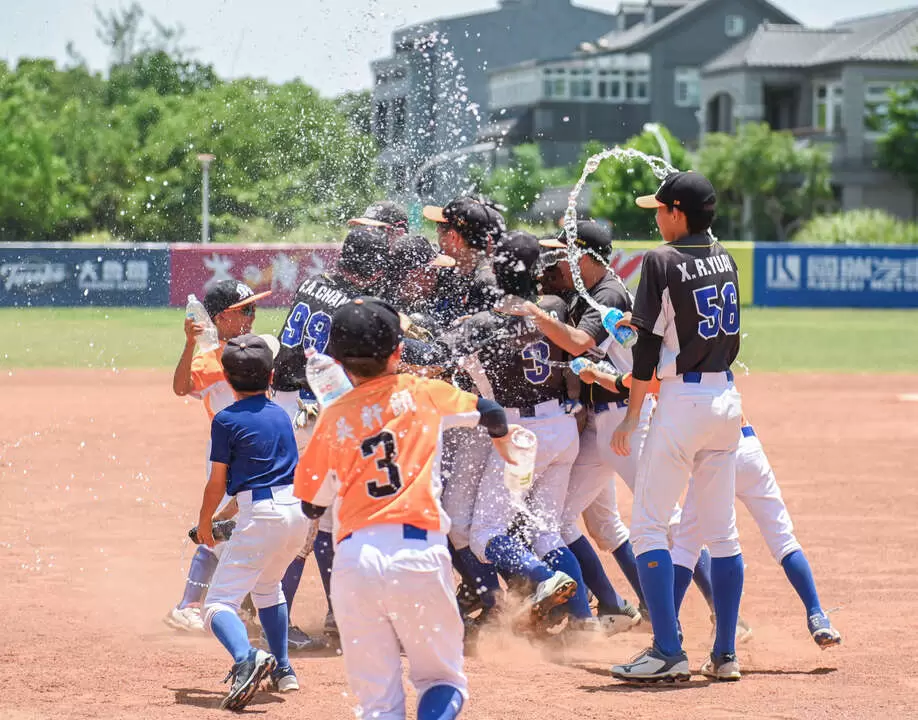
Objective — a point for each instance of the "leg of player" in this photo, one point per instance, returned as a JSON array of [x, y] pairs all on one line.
[[187, 614], [323, 548], [757, 488], [297, 640]]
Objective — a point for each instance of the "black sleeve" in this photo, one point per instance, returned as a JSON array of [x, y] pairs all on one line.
[[311, 511], [648, 301], [418, 352], [610, 294], [493, 418], [646, 353]]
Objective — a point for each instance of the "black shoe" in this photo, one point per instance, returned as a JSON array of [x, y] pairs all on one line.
[[247, 676]]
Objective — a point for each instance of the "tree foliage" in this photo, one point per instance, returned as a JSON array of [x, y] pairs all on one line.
[[118, 154], [898, 148], [767, 185], [858, 227]]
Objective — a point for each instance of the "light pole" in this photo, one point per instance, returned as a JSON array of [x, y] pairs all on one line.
[[205, 161], [654, 128]]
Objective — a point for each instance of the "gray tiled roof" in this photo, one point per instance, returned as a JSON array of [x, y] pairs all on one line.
[[890, 37]]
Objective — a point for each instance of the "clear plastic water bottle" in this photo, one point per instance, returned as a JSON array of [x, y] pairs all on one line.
[[624, 336], [578, 365], [326, 378], [195, 310], [524, 444]]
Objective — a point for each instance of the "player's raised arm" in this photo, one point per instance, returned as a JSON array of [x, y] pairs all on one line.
[[182, 383]]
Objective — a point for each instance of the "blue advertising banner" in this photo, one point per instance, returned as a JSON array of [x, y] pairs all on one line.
[[866, 276], [36, 275]]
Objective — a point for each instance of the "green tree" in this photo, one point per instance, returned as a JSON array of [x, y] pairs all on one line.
[[616, 184], [357, 107], [766, 185], [898, 148]]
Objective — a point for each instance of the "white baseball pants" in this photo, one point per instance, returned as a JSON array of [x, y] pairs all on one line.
[[496, 507], [692, 439], [269, 534], [392, 585], [757, 489], [465, 456]]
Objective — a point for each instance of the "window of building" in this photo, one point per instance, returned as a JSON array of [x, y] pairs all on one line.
[[554, 83], [382, 123], [580, 84], [735, 25], [637, 85], [688, 87], [399, 118], [827, 106], [876, 107]]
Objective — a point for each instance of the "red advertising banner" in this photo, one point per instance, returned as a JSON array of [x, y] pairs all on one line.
[[279, 268]]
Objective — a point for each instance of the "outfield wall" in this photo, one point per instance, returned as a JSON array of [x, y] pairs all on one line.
[[150, 275]]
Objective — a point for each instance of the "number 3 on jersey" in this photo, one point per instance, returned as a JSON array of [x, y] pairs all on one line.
[[539, 371], [304, 325], [393, 483], [716, 318]]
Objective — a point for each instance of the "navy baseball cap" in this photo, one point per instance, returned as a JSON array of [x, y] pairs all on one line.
[[516, 257], [365, 251], [383, 214], [414, 251], [591, 235], [229, 295], [366, 327], [477, 222], [691, 192], [248, 361]]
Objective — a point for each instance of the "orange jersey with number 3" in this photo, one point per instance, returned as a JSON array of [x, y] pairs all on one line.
[[375, 453]]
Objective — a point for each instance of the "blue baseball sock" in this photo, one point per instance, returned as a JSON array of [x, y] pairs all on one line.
[[481, 576], [682, 578], [324, 549], [274, 621], [200, 572], [727, 580], [624, 556], [702, 577], [563, 559], [656, 572], [231, 632], [441, 702], [511, 556], [291, 582], [798, 571], [594, 574]]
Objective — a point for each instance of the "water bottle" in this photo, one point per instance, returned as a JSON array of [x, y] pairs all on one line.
[[326, 378], [624, 336], [578, 365], [207, 340], [523, 445]]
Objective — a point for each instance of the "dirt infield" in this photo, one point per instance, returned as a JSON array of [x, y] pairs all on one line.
[[102, 472]]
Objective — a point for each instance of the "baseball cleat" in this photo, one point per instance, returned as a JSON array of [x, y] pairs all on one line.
[[468, 600], [187, 619], [557, 590], [620, 619], [653, 666], [283, 680], [723, 667], [300, 641], [822, 631], [247, 676]]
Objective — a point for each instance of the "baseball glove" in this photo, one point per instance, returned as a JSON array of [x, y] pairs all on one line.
[[222, 530]]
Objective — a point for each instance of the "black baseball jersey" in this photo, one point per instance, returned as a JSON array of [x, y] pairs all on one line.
[[307, 326], [458, 295], [507, 357], [689, 296]]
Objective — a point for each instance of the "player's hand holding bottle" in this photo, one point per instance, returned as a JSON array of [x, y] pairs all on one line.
[[193, 330], [504, 445]]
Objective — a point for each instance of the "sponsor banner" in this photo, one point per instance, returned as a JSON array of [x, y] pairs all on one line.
[[867, 276], [629, 255], [278, 268], [33, 275]]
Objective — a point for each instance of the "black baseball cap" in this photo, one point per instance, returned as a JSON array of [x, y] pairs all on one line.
[[383, 214], [414, 251], [477, 222], [229, 295], [365, 252], [516, 257], [591, 235], [366, 327], [691, 192], [248, 361]]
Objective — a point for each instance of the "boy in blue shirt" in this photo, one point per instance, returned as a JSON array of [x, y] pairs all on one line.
[[254, 455]]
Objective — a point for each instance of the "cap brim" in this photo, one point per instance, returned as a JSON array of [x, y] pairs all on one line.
[[432, 212], [443, 261], [272, 342], [249, 300], [648, 202], [553, 243], [367, 221]]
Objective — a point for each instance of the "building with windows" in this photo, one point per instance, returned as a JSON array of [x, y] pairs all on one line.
[[646, 69], [430, 97], [824, 85]]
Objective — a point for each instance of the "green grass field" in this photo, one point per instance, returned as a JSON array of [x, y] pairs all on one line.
[[774, 339]]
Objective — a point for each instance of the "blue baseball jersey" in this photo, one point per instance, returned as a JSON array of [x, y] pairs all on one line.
[[254, 438]]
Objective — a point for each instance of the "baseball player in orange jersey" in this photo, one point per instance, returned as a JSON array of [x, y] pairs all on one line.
[[231, 306], [374, 457]]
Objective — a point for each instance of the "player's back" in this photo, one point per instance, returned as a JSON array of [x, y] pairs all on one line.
[[381, 445]]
